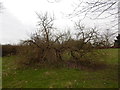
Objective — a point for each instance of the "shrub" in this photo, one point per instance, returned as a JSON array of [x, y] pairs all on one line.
[[38, 56], [9, 50]]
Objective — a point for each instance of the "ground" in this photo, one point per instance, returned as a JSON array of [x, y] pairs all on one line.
[[62, 77]]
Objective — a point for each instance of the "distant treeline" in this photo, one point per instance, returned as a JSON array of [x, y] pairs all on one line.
[[9, 49]]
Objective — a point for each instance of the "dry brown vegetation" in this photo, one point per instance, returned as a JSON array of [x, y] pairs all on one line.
[[44, 49]]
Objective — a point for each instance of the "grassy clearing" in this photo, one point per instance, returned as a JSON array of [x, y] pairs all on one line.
[[62, 77], [112, 56]]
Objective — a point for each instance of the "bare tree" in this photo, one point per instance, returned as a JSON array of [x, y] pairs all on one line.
[[97, 8], [45, 47], [86, 34], [107, 37], [47, 43], [46, 26]]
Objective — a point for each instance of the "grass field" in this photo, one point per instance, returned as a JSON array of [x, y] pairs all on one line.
[[62, 77], [0, 72]]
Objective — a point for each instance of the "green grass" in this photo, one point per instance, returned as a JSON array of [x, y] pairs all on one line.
[[0, 72], [62, 77]]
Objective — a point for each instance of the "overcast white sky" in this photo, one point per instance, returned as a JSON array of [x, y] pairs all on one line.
[[18, 19]]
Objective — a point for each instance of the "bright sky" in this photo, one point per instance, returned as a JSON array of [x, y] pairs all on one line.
[[18, 19]]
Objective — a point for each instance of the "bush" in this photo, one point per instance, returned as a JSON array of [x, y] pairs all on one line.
[[71, 55], [35, 56], [9, 50]]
